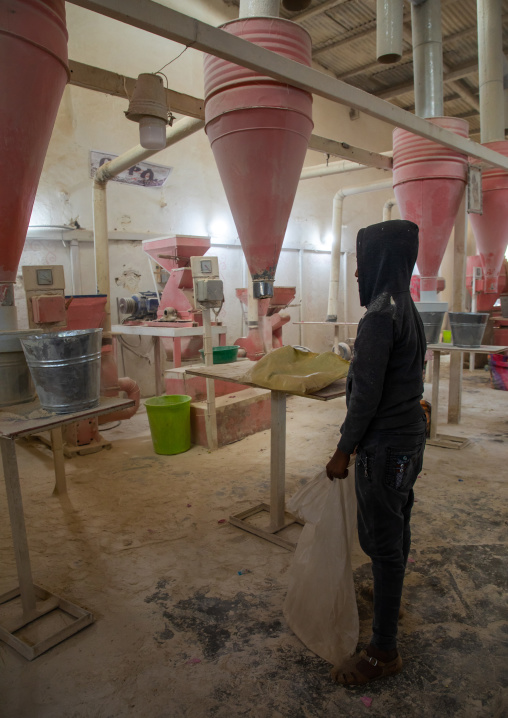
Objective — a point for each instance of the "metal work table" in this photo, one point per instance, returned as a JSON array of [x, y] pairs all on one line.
[[447, 441], [174, 333], [16, 422], [279, 518]]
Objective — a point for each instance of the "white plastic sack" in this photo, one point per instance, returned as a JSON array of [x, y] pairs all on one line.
[[320, 605]]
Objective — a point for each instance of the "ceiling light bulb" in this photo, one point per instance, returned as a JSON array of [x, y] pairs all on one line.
[[152, 133]]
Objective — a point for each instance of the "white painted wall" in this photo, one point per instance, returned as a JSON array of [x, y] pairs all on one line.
[[192, 201]]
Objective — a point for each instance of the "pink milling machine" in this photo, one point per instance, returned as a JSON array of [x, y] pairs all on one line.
[[491, 234], [259, 130], [429, 181]]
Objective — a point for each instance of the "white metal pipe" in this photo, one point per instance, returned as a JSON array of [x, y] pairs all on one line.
[[428, 58], [490, 69], [389, 15], [75, 267], [258, 8], [252, 304], [387, 209], [183, 128], [338, 203], [334, 168]]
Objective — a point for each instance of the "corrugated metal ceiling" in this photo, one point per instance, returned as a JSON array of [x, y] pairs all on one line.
[[344, 42]]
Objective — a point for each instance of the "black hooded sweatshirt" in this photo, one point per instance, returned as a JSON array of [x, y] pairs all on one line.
[[385, 379]]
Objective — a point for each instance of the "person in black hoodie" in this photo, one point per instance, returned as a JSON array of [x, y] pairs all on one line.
[[386, 426]]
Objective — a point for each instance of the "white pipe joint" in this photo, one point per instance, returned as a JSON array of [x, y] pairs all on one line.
[[338, 202], [490, 68], [427, 58], [259, 8], [389, 15], [387, 209]]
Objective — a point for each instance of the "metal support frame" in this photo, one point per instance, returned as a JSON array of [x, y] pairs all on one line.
[[165, 22]]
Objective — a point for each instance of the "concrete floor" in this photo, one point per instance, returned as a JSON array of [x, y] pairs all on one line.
[[179, 633]]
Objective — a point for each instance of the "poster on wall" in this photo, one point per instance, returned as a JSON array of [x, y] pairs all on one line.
[[142, 174]]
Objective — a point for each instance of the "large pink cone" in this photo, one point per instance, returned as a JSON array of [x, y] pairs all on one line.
[[491, 228], [259, 131], [429, 181], [33, 58]]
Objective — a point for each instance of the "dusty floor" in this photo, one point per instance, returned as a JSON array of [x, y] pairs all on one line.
[[179, 632]]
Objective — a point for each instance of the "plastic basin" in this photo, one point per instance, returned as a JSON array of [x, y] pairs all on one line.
[[223, 355], [169, 419]]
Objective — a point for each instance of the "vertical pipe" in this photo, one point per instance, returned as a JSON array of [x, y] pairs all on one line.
[[300, 282], [333, 291], [211, 414], [100, 231], [459, 305], [257, 8], [387, 209], [75, 267], [428, 58], [490, 68], [389, 15]]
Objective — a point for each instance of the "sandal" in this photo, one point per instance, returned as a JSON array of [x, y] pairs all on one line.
[[363, 668]]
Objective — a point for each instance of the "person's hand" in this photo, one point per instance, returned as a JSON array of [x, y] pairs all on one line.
[[336, 468]]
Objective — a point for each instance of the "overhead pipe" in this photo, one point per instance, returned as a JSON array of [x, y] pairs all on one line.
[[338, 204], [259, 8], [427, 57], [490, 70], [389, 16]]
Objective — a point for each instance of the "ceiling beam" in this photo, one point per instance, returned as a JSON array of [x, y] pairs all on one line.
[[448, 77], [318, 10], [165, 22], [111, 83], [347, 152]]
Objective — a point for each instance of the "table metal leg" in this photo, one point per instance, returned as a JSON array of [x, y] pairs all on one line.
[[58, 460], [160, 387], [177, 352], [18, 529], [435, 394], [455, 391], [277, 460]]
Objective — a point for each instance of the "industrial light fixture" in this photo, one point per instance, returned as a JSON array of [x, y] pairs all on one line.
[[148, 107]]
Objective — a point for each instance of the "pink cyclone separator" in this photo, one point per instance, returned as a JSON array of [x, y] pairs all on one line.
[[259, 130], [33, 57], [428, 181], [491, 228]]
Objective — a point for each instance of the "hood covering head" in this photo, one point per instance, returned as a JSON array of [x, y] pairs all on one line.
[[386, 255]]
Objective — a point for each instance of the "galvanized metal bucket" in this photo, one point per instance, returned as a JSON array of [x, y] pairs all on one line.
[[16, 386], [468, 328], [66, 368], [432, 322]]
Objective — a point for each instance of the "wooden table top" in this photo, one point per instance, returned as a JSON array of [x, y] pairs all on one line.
[[235, 372], [25, 419]]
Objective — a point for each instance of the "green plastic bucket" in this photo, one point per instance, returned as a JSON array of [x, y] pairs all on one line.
[[169, 419]]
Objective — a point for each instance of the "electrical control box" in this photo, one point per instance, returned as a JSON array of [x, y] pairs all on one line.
[[45, 295], [208, 287]]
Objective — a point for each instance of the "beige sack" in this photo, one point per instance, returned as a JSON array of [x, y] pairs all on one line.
[[320, 605]]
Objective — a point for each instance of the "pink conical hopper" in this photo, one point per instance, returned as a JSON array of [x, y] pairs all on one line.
[[429, 181], [176, 251], [33, 57], [259, 131], [491, 228]]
